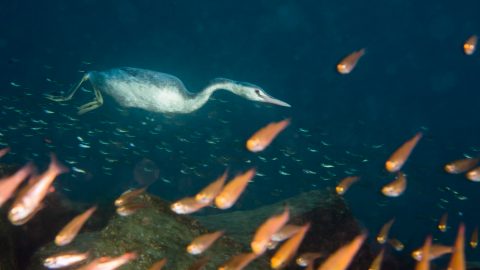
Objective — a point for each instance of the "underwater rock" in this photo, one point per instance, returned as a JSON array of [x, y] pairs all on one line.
[[23, 241], [332, 224], [242, 224], [7, 247], [153, 232], [18, 243]]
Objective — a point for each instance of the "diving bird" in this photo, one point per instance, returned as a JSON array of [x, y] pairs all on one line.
[[158, 92]]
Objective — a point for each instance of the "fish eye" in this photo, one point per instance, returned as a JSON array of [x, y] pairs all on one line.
[[257, 91]]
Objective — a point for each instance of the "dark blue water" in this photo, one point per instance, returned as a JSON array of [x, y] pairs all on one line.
[[414, 77]]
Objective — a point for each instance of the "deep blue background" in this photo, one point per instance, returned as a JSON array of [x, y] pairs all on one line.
[[413, 78]]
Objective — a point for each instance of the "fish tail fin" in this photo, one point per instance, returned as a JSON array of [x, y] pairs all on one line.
[[91, 210], [55, 165]]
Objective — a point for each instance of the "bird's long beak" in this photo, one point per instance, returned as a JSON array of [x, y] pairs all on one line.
[[275, 101]]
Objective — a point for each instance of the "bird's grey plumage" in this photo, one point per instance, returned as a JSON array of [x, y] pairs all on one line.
[[159, 92], [140, 88]]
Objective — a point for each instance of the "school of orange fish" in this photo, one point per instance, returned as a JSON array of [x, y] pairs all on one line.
[[223, 195]]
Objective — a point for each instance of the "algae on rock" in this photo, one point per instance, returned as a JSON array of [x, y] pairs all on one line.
[[154, 232], [332, 223]]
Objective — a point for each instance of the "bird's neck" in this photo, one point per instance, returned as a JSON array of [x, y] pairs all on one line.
[[202, 97]]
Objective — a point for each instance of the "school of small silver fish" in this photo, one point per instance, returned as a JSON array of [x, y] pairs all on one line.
[[222, 193]]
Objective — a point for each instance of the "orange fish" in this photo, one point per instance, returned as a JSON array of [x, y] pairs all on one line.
[[349, 62], [308, 258], [470, 45], [474, 238], [233, 189], [377, 262], [264, 136], [158, 265], [203, 242], [65, 259], [345, 184], [442, 224], [400, 156], [285, 232], [129, 209], [30, 197], [4, 151], [396, 244], [70, 231], [9, 184], [341, 258], [208, 194], [288, 249], [186, 205], [31, 214], [474, 175], [238, 262], [266, 230], [435, 252], [461, 165], [457, 261], [129, 195], [383, 234], [424, 263], [109, 263], [396, 187]]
